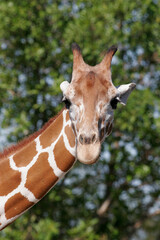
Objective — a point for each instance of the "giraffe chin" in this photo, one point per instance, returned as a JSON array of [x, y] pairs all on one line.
[[89, 153]]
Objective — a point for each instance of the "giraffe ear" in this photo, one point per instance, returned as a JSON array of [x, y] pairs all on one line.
[[124, 92], [63, 86]]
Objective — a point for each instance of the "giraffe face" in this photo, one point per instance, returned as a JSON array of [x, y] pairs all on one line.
[[91, 99]]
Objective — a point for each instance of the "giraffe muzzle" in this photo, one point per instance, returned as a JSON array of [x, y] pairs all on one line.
[[88, 153]]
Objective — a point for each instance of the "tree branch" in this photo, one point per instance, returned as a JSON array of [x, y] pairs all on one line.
[[104, 207]]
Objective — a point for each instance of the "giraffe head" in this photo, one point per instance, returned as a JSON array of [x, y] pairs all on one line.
[[91, 99]]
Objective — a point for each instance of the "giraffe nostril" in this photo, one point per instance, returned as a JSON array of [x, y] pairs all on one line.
[[86, 140], [81, 138], [93, 138]]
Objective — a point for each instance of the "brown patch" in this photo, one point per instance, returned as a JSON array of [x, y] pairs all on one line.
[[63, 157], [70, 136], [9, 178], [16, 205], [24, 142], [52, 132], [25, 156], [40, 177], [90, 79]]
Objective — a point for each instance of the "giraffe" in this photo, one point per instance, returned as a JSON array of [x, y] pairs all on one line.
[[31, 168]]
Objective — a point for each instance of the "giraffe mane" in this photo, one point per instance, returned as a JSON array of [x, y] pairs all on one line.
[[7, 151]]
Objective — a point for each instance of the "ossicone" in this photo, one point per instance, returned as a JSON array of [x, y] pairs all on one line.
[[76, 47], [78, 62], [112, 50], [106, 62]]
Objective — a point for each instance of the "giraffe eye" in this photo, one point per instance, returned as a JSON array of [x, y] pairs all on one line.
[[114, 102], [67, 102]]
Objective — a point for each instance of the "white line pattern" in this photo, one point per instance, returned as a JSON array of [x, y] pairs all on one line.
[[24, 171]]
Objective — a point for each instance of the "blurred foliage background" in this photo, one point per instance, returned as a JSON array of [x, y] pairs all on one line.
[[118, 198]]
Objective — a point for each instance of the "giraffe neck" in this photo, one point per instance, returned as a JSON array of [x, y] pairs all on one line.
[[29, 173]]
